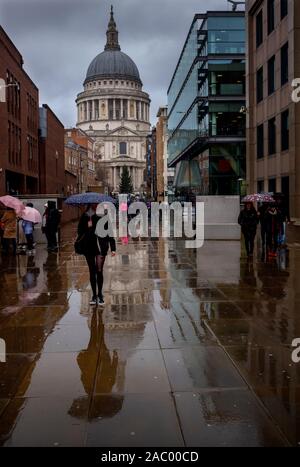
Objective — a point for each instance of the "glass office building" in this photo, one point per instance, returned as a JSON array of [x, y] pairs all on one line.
[[206, 102]]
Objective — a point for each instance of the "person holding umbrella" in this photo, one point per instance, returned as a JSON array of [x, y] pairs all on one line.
[[94, 248], [9, 222], [248, 220]]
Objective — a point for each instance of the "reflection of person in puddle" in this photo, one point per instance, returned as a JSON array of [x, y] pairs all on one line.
[[105, 366], [30, 278], [273, 279], [53, 281]]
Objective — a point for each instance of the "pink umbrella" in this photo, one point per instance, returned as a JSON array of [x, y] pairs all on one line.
[[259, 197], [31, 215], [12, 202]]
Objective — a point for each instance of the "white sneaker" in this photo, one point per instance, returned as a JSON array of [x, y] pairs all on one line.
[[94, 301]]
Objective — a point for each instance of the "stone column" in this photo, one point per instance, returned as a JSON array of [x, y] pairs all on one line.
[[115, 178], [93, 109], [128, 109], [121, 109]]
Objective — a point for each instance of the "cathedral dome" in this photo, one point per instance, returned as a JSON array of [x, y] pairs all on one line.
[[112, 63]]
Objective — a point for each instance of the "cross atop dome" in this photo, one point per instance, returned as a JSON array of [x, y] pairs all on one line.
[[112, 33]]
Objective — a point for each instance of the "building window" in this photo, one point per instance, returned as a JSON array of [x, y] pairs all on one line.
[[123, 149], [285, 143], [271, 16], [272, 136], [260, 186], [259, 28], [118, 109], [284, 64], [259, 85], [271, 75], [110, 109], [272, 185], [283, 8], [260, 141]]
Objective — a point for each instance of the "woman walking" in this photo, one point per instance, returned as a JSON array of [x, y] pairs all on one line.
[[95, 250], [273, 229], [248, 220], [9, 222]]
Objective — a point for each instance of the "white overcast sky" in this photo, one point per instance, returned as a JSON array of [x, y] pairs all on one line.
[[59, 38]]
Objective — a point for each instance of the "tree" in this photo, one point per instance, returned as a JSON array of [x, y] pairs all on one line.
[[126, 182]]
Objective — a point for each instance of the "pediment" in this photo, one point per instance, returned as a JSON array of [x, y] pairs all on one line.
[[123, 131]]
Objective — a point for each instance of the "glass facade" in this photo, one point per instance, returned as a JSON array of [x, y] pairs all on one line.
[[206, 98]]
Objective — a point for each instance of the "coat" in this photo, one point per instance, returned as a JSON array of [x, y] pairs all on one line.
[[94, 245], [248, 220], [9, 220]]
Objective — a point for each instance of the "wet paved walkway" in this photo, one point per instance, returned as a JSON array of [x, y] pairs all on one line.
[[168, 360]]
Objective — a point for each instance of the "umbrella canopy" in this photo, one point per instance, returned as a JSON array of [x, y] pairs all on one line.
[[31, 215], [12, 202], [88, 198], [259, 197]]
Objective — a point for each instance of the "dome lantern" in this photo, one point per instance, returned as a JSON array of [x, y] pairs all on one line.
[[112, 63], [112, 34]]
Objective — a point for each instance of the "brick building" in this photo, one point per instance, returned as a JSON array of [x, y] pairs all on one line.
[[75, 163], [51, 153], [87, 151], [19, 117], [273, 136]]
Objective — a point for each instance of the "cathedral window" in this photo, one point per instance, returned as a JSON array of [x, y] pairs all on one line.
[[131, 109], [123, 149], [110, 109], [125, 109], [118, 109]]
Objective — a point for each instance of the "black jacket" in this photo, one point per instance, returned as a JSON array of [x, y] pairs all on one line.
[[94, 245], [248, 220]]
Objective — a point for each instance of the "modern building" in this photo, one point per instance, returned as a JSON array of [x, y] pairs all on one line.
[[206, 99], [51, 153], [81, 138], [114, 110], [19, 120], [273, 128]]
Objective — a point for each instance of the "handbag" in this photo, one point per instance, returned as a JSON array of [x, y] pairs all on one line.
[[79, 245]]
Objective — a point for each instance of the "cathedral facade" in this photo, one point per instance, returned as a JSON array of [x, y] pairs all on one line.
[[115, 111]]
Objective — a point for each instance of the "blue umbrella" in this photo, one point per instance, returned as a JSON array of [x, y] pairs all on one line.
[[88, 198]]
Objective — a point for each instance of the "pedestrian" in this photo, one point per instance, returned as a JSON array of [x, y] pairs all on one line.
[[273, 228], [262, 220], [248, 220], [28, 228], [9, 223], [283, 220], [95, 250], [52, 220]]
